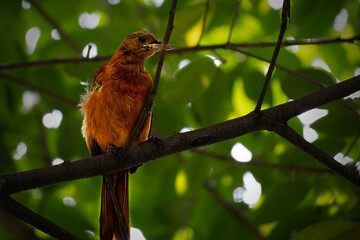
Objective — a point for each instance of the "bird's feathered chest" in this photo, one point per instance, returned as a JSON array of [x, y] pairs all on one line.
[[113, 106]]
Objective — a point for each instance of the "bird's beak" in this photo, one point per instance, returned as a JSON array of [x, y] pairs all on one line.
[[157, 46]]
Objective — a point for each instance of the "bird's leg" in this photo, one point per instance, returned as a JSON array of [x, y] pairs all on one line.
[[114, 150]]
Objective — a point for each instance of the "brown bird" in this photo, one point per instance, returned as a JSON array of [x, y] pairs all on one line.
[[111, 108]]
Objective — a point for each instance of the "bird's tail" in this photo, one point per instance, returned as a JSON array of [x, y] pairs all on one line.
[[109, 224]]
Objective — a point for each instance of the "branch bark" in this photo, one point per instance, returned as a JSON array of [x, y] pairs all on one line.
[[178, 142]]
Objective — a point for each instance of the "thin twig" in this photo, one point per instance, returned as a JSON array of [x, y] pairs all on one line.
[[88, 51], [282, 67], [258, 163], [244, 222], [52, 22], [234, 21], [299, 75], [204, 21], [9, 66], [314, 41], [38, 89], [16, 209], [151, 97], [284, 19]]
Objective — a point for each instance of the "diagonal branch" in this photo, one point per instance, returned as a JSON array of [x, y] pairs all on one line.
[[239, 216], [284, 19], [204, 21], [151, 97], [293, 137], [52, 22], [234, 21], [12, 207], [258, 163], [38, 89], [178, 142]]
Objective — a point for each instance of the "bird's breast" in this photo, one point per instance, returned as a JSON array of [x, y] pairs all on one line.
[[112, 110]]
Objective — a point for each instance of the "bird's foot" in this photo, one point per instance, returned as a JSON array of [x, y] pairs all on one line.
[[157, 141], [113, 149], [132, 170]]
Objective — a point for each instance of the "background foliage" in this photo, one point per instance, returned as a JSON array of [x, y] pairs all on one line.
[[178, 197]]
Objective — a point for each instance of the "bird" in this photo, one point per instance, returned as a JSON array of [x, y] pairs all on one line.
[[110, 110]]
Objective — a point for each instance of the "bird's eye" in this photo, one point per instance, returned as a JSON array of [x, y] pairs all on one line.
[[141, 39]]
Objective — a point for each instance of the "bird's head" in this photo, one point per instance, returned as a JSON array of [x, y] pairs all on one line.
[[141, 44]]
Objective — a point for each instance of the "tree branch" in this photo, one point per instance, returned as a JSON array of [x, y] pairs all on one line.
[[178, 142], [12, 207], [284, 19]]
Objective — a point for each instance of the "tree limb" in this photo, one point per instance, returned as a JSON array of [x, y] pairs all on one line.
[[178, 142]]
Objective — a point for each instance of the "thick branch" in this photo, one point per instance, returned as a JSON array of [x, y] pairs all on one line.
[[149, 151], [12, 207]]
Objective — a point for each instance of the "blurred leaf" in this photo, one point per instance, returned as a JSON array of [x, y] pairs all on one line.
[[190, 82], [296, 87], [330, 230], [339, 122], [278, 200]]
